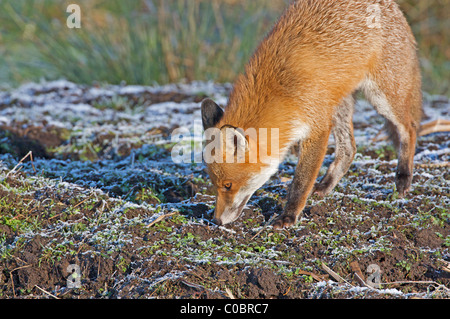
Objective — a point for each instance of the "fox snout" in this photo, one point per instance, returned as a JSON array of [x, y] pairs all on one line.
[[227, 212]]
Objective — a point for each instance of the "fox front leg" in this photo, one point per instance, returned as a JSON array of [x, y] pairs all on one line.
[[312, 153]]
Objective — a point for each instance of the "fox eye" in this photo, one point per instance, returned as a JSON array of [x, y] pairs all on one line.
[[227, 185]]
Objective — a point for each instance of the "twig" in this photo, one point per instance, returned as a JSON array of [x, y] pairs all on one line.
[[446, 268], [46, 292], [334, 275], [12, 283], [160, 218], [84, 200], [265, 226], [220, 227], [438, 125], [229, 293], [30, 154], [192, 285], [313, 275], [379, 137], [358, 274], [32, 161], [26, 266], [11, 276], [101, 211]]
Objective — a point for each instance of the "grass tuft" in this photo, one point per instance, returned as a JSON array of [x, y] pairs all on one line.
[[147, 42]]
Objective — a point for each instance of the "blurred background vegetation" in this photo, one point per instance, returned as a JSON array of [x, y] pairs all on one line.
[[160, 41]]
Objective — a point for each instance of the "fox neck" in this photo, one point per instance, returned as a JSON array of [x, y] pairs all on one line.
[[269, 115]]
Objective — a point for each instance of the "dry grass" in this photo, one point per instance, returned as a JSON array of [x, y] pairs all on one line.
[[144, 42]]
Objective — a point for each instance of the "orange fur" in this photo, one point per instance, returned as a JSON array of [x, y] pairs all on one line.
[[317, 55]]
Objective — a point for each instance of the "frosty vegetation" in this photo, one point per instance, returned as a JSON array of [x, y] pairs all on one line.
[[102, 192]]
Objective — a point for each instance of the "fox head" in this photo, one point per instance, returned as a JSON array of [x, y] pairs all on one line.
[[233, 174]]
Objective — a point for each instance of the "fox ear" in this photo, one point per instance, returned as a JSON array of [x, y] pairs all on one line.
[[211, 113], [234, 140]]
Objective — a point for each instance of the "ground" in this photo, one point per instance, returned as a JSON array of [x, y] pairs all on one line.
[[98, 209]]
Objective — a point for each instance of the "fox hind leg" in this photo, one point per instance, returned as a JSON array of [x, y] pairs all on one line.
[[401, 124]]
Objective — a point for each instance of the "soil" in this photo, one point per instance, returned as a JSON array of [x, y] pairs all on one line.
[[100, 195]]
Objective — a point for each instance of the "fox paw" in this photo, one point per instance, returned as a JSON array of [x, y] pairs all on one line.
[[322, 189], [284, 221], [403, 183]]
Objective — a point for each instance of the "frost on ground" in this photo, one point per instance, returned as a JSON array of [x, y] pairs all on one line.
[[103, 193]]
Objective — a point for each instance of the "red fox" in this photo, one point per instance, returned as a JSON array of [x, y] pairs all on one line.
[[301, 80]]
